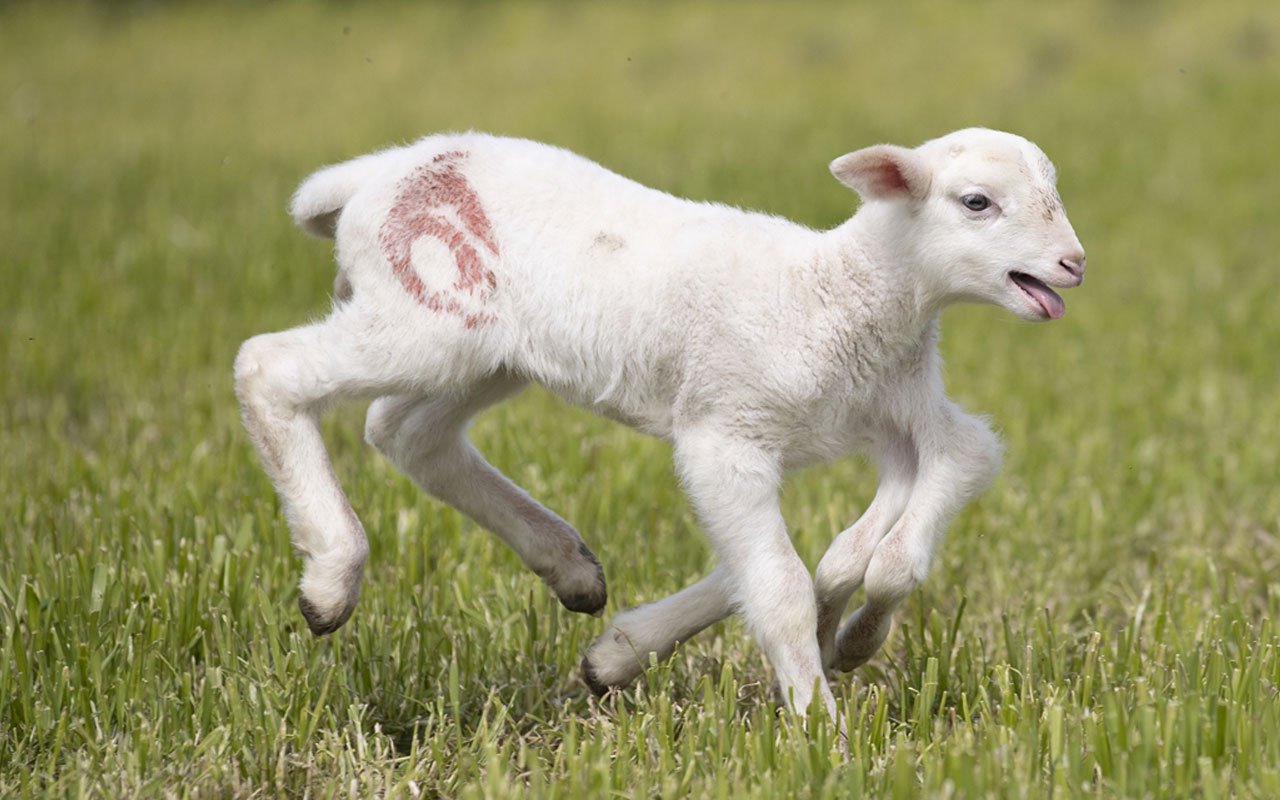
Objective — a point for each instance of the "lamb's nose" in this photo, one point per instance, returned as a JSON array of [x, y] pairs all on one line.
[[1074, 264]]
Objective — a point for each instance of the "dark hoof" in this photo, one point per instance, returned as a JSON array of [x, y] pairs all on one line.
[[588, 602], [317, 622], [597, 687], [592, 600]]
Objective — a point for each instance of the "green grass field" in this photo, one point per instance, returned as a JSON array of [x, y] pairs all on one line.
[[1100, 623]]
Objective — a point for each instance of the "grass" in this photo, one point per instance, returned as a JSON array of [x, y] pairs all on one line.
[[1102, 622]]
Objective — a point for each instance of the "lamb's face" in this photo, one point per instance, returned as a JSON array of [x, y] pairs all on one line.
[[993, 227], [978, 213]]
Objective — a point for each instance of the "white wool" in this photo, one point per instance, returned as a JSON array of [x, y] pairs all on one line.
[[471, 265]]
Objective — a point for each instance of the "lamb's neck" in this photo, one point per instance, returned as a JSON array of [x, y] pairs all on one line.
[[875, 274]]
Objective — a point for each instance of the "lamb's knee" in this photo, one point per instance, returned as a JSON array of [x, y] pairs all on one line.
[[841, 570], [250, 374], [265, 401], [271, 374], [895, 570]]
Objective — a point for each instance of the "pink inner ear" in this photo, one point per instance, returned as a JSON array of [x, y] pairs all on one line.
[[886, 178]]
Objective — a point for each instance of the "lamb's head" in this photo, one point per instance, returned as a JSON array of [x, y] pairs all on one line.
[[976, 213]]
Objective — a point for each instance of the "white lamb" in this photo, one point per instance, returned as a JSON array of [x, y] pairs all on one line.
[[471, 265]]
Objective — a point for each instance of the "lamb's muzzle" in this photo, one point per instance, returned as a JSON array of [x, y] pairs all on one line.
[[1074, 265]]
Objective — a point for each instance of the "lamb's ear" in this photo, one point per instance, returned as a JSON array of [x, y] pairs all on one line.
[[883, 172]]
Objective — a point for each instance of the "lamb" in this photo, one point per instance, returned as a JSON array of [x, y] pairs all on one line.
[[472, 265]]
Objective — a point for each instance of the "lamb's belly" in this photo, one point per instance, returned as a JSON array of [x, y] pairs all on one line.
[[641, 410]]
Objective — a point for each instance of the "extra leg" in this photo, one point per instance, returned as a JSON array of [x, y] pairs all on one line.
[[424, 437]]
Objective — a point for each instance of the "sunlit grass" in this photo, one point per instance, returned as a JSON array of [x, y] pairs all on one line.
[[1100, 622]]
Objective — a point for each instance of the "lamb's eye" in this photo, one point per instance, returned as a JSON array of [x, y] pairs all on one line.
[[976, 202]]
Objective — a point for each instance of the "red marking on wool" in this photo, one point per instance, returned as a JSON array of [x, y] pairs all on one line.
[[430, 189]]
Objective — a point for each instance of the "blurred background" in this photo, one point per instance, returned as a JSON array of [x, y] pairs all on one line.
[[147, 153]]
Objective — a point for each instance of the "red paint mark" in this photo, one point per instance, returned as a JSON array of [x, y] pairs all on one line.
[[416, 213]]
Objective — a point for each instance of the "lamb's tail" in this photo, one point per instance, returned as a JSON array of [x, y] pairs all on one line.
[[321, 197]]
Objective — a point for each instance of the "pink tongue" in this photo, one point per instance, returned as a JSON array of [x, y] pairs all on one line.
[[1046, 297]]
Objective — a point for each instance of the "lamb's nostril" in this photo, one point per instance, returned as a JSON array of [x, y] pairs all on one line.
[[1073, 265]]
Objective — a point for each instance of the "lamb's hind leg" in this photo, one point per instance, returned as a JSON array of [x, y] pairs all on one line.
[[284, 381], [621, 653], [424, 437]]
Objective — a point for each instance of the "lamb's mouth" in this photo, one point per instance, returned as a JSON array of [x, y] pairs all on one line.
[[1048, 300]]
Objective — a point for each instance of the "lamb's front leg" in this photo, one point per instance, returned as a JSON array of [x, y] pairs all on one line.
[[621, 653], [734, 487], [959, 457], [841, 571]]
